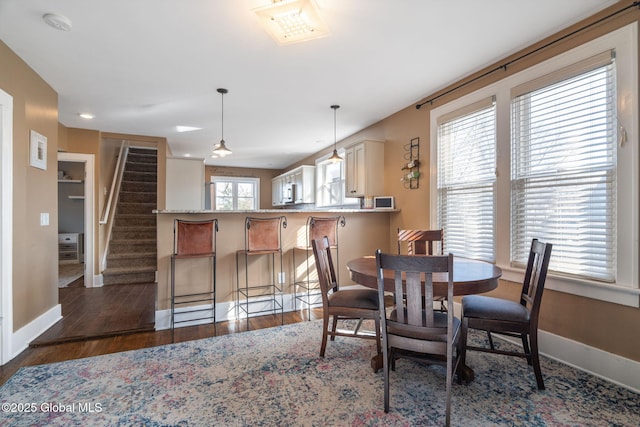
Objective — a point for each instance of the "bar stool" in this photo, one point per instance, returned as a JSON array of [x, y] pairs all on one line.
[[192, 240], [317, 228], [262, 236]]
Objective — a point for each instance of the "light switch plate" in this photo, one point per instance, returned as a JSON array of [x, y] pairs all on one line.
[[44, 219]]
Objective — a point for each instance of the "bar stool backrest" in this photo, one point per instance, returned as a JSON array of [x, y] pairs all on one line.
[[320, 227], [195, 237], [263, 234]]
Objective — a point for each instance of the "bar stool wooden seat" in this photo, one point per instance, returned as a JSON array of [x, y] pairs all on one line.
[[263, 236], [196, 299], [306, 286]]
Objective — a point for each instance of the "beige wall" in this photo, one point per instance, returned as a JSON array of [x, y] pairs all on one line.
[[35, 191]]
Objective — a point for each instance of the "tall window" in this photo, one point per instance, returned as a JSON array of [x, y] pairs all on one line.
[[563, 180], [466, 180], [231, 194]]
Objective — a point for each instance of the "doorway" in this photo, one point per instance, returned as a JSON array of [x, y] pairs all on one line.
[[76, 185]]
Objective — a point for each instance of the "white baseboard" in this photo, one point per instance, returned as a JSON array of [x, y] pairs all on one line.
[[23, 336], [611, 367]]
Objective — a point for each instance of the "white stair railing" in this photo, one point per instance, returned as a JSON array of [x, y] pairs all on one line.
[[108, 213]]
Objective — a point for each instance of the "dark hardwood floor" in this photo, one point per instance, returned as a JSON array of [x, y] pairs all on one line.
[[101, 312], [131, 340]]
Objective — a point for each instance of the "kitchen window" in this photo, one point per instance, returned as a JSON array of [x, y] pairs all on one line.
[[567, 168], [330, 182], [235, 194]]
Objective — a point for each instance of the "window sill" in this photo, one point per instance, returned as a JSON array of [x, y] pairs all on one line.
[[617, 294]]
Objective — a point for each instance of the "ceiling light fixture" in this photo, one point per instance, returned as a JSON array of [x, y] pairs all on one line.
[[221, 150], [58, 22], [292, 21], [87, 116], [335, 157]]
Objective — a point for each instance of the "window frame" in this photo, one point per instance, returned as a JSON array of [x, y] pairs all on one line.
[[321, 163], [235, 181], [626, 289]]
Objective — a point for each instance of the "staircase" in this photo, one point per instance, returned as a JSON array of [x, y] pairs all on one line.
[[132, 254]]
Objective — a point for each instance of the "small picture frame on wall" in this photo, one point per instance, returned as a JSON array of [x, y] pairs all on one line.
[[38, 151]]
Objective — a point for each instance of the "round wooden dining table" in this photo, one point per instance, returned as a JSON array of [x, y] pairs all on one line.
[[469, 277]]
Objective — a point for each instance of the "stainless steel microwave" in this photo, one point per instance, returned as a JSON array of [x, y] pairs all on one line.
[[383, 202]]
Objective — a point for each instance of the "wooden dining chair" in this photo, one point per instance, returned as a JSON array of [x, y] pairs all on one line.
[[343, 304], [413, 330], [513, 318], [421, 242]]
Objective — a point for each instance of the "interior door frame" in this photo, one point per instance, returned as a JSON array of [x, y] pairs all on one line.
[[6, 226], [89, 211]]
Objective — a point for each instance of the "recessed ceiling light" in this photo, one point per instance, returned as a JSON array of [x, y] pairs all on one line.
[[186, 128], [58, 22], [87, 116]]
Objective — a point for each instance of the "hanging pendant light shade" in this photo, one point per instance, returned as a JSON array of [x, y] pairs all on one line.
[[221, 150], [335, 157]]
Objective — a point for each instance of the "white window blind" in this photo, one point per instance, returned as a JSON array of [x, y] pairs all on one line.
[[466, 180], [563, 180]]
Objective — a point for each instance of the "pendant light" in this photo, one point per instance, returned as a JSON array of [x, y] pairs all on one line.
[[221, 150], [335, 157]]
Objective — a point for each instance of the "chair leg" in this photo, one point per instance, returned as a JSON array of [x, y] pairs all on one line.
[[333, 328], [377, 326], [490, 340], [385, 369], [535, 358], [325, 327], [525, 347]]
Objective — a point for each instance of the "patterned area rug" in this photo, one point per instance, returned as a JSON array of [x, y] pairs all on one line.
[[274, 377]]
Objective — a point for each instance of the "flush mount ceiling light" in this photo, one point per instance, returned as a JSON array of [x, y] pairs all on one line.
[[335, 157], [87, 116], [221, 150], [58, 22], [292, 21]]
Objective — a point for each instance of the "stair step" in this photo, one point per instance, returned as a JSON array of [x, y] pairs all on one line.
[[140, 167], [136, 208], [137, 197], [132, 246], [132, 262], [126, 276], [130, 233], [146, 220], [140, 176], [144, 186]]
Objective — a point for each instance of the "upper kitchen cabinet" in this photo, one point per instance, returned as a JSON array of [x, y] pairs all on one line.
[[294, 187], [364, 169]]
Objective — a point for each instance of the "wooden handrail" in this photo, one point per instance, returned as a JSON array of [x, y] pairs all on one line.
[[107, 216]]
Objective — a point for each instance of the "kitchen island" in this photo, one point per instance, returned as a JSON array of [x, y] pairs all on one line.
[[365, 231]]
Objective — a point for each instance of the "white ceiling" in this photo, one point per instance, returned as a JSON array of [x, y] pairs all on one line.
[[144, 66]]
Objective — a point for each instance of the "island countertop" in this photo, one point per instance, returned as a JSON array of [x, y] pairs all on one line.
[[274, 211]]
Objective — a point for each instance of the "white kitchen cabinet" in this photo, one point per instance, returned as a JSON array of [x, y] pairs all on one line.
[[276, 191], [364, 169], [294, 187]]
